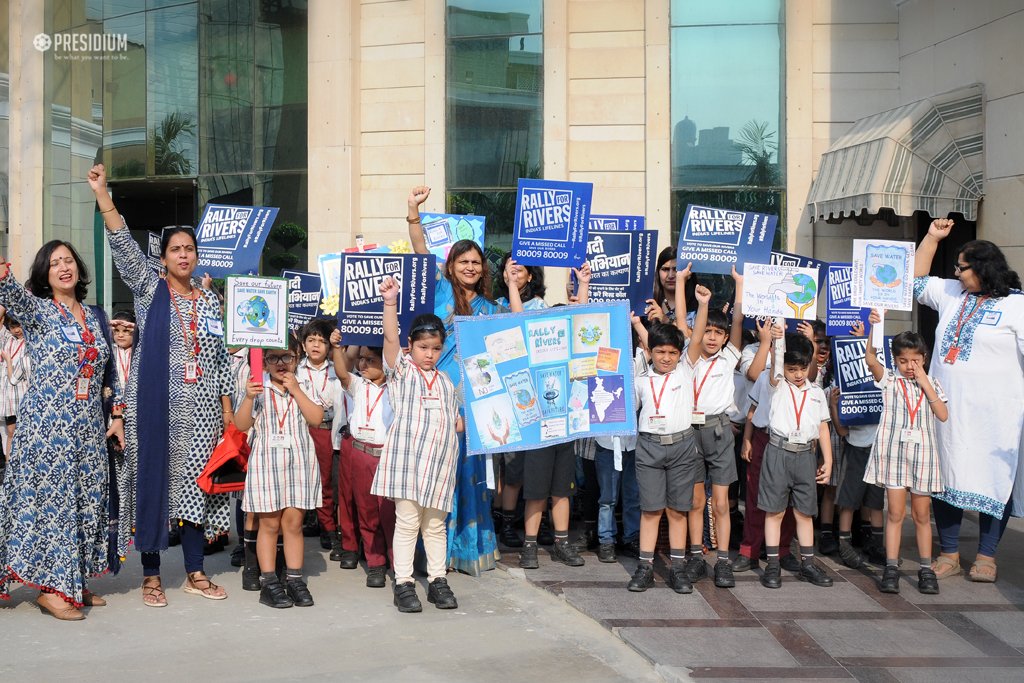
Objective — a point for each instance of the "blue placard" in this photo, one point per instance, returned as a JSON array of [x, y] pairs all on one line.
[[230, 239], [622, 266], [715, 240], [551, 222], [784, 258], [548, 376], [303, 297], [860, 401], [606, 222], [442, 230], [840, 313], [360, 306]]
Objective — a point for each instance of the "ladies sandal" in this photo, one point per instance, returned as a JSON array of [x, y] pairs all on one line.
[[194, 586], [945, 567], [90, 599], [153, 592], [63, 611], [979, 571]]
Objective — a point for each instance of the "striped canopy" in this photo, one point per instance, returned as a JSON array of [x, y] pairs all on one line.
[[923, 156]]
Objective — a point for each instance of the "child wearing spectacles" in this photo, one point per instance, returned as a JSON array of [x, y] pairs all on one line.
[[283, 480], [420, 453]]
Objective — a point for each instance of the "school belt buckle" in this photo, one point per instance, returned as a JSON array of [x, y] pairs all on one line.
[[718, 421], [669, 439], [789, 446], [369, 449]]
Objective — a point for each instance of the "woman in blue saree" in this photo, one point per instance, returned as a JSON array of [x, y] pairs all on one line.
[[463, 288]]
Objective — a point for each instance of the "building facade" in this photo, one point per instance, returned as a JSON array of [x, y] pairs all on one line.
[[332, 110]]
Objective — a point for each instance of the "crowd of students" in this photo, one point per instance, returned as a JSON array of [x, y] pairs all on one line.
[[371, 439]]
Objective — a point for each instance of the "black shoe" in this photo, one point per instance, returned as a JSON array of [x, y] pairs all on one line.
[[325, 539], [528, 556], [789, 563], [508, 536], [349, 559], [679, 581], [405, 598], [875, 554], [643, 578], [742, 563], [606, 552], [216, 545], [174, 535], [274, 594], [566, 553], [696, 568], [815, 574], [376, 577], [890, 581], [630, 549], [238, 555], [927, 582], [772, 577], [827, 544], [310, 524], [299, 592], [336, 549], [723, 574], [588, 539], [545, 536], [849, 555], [251, 579], [440, 593]]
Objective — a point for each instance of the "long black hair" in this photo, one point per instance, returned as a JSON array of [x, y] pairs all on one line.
[[989, 264], [534, 288], [39, 275]]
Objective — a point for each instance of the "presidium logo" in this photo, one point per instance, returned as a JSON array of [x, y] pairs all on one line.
[[83, 46]]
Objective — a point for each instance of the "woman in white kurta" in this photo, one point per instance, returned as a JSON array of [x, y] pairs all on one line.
[[979, 360]]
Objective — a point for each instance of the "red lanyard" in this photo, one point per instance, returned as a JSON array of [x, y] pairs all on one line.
[[125, 367], [912, 412], [698, 389], [657, 397], [960, 321], [369, 408], [430, 383], [192, 326], [309, 373], [15, 352], [287, 410], [799, 411]]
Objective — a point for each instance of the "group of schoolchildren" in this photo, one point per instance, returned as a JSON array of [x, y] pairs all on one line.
[[15, 367]]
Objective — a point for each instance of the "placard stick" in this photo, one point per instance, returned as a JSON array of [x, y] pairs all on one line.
[[778, 360], [878, 331], [256, 365]]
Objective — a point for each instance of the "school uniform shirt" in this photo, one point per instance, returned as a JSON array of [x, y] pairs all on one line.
[[123, 364], [421, 451], [320, 379], [16, 383], [761, 398], [668, 398], [786, 399], [342, 409], [283, 471], [713, 387], [369, 403], [239, 368]]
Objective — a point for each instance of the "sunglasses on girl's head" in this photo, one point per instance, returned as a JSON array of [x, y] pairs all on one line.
[[280, 360]]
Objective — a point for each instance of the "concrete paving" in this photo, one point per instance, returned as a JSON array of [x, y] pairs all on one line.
[[504, 630]]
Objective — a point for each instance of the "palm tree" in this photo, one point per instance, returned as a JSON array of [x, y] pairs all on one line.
[[758, 146], [168, 159]]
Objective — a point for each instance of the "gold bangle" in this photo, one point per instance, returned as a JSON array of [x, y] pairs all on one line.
[[412, 221], [113, 208]]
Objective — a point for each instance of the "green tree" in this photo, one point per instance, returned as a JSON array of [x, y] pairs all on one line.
[[168, 159]]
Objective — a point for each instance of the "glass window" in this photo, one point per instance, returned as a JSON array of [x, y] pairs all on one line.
[[727, 104], [494, 131], [281, 100], [227, 73], [172, 106], [124, 101]]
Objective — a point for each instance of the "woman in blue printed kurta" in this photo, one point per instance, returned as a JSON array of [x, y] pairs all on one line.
[[53, 509], [463, 288], [178, 404]]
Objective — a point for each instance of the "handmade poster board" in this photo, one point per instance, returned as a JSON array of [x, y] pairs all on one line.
[[256, 311]]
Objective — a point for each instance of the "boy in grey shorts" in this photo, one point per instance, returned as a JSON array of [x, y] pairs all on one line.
[[668, 466], [798, 416]]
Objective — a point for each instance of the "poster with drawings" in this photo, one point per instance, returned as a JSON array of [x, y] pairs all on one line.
[[883, 275], [548, 341], [590, 331], [524, 397], [481, 374], [552, 390], [494, 421]]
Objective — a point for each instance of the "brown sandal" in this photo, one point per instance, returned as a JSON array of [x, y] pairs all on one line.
[[983, 571], [153, 592], [945, 567], [47, 603], [194, 586], [90, 599]]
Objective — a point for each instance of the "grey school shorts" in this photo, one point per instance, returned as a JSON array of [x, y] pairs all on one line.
[[788, 480], [667, 474], [853, 492], [717, 446]]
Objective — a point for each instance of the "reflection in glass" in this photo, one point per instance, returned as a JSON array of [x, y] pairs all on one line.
[[172, 105], [281, 100], [226, 92], [124, 101], [470, 18]]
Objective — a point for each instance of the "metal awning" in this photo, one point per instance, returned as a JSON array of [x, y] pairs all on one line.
[[923, 156]]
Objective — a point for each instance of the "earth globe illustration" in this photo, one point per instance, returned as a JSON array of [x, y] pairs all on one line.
[[886, 274], [255, 311], [808, 288]]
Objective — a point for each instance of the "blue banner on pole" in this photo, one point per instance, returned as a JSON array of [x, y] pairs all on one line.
[[360, 306], [303, 297], [230, 239], [551, 222], [783, 258], [860, 401], [543, 377], [622, 266], [840, 313], [715, 240], [606, 222]]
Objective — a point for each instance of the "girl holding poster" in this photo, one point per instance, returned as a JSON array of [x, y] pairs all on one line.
[[418, 460], [463, 288], [979, 360]]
